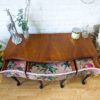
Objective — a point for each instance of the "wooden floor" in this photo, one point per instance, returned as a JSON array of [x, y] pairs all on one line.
[[73, 90]]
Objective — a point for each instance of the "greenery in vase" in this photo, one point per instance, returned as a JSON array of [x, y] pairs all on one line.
[[22, 17], [22, 21]]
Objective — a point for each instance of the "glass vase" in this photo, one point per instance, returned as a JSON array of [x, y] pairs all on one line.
[[16, 39], [26, 34]]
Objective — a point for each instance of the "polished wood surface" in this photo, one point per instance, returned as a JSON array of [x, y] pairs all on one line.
[[50, 48]]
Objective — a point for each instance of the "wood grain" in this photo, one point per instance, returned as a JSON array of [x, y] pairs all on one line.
[[50, 48]]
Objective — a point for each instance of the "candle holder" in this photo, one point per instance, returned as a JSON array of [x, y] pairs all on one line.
[[76, 33]]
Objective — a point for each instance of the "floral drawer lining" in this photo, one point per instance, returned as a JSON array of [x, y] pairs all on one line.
[[45, 71]]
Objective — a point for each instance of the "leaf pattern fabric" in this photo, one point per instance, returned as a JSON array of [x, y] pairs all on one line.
[[48, 71], [16, 65], [50, 68]]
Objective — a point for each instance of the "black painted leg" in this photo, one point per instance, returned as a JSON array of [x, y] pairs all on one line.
[[84, 79], [18, 82], [62, 83], [41, 84]]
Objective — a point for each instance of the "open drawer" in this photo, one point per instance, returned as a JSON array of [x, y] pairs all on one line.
[[87, 65], [49, 71], [15, 68], [38, 71]]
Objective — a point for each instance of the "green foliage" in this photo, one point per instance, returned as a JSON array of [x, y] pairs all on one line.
[[67, 63], [52, 70], [43, 67], [1, 63], [24, 25], [0, 46], [22, 22]]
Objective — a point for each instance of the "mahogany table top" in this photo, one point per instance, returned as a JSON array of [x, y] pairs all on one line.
[[50, 48]]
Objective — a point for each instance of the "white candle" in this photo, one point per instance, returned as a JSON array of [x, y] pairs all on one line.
[[76, 33]]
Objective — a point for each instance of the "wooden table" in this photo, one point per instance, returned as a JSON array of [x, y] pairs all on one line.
[[49, 48]]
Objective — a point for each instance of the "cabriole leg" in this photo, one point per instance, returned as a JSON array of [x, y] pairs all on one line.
[[18, 82], [62, 83], [41, 84], [84, 79]]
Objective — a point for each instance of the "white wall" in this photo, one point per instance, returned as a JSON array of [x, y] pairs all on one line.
[[49, 16]]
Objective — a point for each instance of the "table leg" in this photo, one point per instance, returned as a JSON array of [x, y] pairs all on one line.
[[84, 79], [18, 82], [41, 84], [62, 83]]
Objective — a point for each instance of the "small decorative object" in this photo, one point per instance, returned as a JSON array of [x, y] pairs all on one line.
[[85, 32], [16, 39], [76, 33], [22, 19]]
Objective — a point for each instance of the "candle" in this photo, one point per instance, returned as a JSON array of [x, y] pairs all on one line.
[[76, 33]]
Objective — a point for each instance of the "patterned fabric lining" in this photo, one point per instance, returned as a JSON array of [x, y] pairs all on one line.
[[52, 68], [16, 65], [49, 71], [85, 63], [39, 68]]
